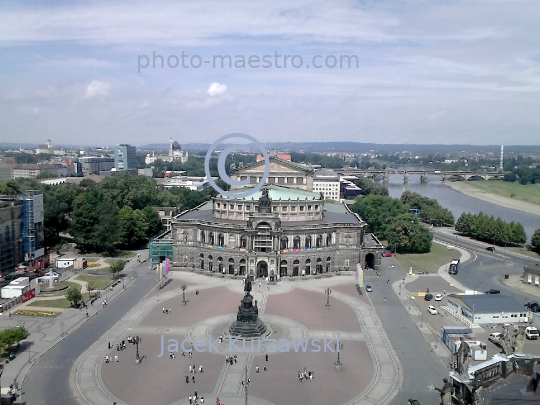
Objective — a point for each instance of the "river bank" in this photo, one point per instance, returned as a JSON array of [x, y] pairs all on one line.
[[469, 191]]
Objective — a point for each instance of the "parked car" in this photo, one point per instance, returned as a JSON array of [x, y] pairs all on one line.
[[495, 337], [387, 253], [491, 248], [432, 310], [369, 288], [438, 297], [492, 291], [428, 297], [13, 276], [531, 304]]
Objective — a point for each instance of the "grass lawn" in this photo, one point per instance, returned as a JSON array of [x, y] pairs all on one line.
[[529, 193], [100, 282], [428, 262], [122, 254], [112, 260], [520, 250], [59, 303]]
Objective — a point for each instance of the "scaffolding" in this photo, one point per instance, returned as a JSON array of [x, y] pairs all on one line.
[[160, 248]]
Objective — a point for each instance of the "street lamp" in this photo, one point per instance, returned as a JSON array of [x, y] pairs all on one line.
[[339, 347], [137, 340], [184, 288], [246, 383], [328, 291]]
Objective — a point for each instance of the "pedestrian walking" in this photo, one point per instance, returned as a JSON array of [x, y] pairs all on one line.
[[257, 369], [193, 379], [117, 347], [218, 402], [190, 400], [266, 356], [194, 369], [190, 369], [202, 399], [200, 369], [384, 299], [235, 359], [109, 345], [187, 379], [116, 359], [265, 369], [190, 354]]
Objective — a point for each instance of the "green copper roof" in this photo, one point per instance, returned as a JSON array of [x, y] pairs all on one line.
[[276, 193]]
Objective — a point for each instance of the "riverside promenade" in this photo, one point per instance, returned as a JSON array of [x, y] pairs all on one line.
[[295, 310]]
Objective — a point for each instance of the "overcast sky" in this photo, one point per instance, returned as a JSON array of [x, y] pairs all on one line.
[[428, 71]]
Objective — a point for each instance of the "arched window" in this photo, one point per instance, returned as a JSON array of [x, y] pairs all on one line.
[[243, 242], [210, 263], [201, 257], [328, 263], [318, 242], [308, 242], [203, 237], [296, 242], [284, 242], [329, 239], [231, 266], [296, 267], [220, 264], [308, 266], [221, 240], [211, 238], [318, 266], [283, 268], [243, 266]]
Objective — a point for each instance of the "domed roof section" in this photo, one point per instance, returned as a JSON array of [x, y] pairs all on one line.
[[176, 146]]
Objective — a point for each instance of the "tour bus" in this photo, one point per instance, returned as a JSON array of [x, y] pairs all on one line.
[[454, 266]]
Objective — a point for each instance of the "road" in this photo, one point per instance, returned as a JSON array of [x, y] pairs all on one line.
[[486, 269], [48, 380]]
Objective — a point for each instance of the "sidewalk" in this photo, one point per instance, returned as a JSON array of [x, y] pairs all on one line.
[[46, 333]]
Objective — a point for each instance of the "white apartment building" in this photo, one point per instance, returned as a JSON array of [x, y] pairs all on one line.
[[327, 182]]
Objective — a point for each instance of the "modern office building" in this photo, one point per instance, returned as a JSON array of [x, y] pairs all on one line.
[[125, 158], [326, 182], [96, 165], [11, 231]]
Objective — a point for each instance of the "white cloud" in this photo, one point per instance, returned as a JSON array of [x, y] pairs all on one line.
[[97, 89], [437, 115], [216, 89]]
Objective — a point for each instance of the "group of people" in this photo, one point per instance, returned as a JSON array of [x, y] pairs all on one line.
[[306, 375], [231, 359], [104, 303], [107, 359], [193, 399], [167, 310]]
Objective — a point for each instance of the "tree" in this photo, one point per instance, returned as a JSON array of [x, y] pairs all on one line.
[[131, 226], [74, 295], [535, 241], [10, 187], [11, 336], [90, 286], [117, 267]]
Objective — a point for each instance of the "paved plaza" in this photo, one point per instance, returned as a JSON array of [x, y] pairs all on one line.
[[294, 311]]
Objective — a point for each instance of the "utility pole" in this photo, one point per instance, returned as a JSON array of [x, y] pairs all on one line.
[[246, 383], [328, 291]]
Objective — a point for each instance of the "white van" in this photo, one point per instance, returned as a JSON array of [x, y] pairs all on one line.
[[532, 333]]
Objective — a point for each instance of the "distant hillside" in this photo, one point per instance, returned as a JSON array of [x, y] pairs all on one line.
[[358, 147]]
